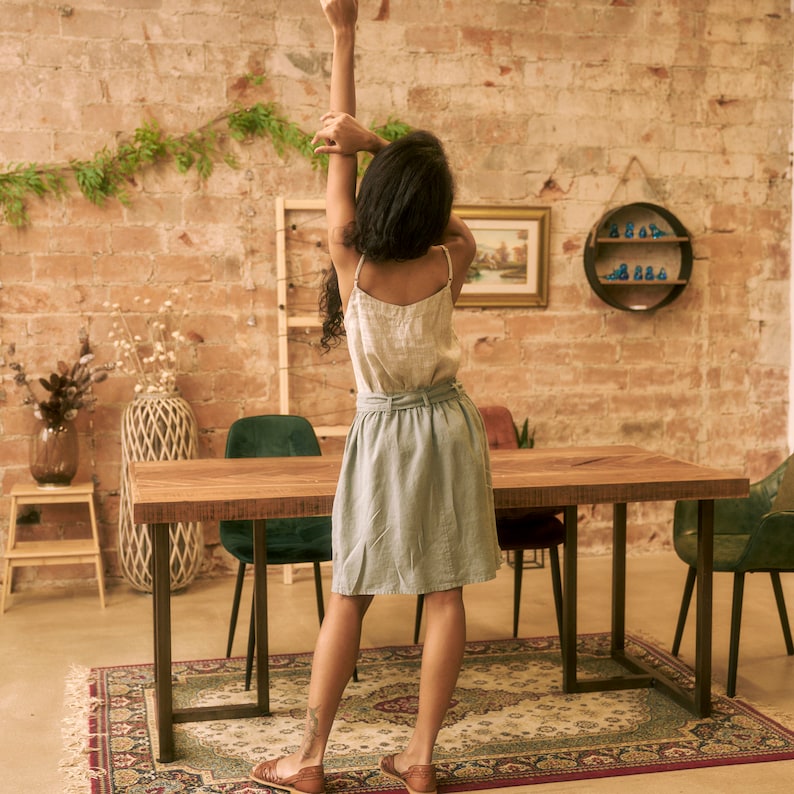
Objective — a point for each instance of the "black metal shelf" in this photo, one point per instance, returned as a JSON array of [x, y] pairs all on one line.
[[601, 250]]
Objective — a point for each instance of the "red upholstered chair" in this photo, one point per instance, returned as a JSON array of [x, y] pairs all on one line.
[[519, 529]]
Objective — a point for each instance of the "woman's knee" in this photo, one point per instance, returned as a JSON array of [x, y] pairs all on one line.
[[355, 604], [444, 599]]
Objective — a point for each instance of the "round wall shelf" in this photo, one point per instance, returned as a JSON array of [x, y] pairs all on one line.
[[638, 257]]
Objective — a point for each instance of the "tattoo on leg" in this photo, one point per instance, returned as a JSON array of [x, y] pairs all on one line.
[[310, 732]]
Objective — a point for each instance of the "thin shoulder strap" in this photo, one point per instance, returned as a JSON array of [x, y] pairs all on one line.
[[449, 262], [358, 269]]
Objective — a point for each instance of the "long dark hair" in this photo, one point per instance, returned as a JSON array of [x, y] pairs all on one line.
[[403, 206], [331, 310]]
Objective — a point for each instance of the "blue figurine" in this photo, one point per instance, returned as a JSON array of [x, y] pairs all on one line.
[[643, 232], [649, 273], [629, 230], [656, 232], [638, 273], [662, 275], [620, 273], [613, 230]]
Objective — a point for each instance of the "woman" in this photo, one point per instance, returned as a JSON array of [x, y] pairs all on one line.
[[413, 511]]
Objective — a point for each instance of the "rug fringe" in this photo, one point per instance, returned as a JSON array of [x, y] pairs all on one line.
[[77, 739]]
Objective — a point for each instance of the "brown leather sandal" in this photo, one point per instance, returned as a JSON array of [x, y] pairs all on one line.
[[309, 780], [418, 779]]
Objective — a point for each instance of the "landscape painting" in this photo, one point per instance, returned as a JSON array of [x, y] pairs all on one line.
[[510, 267]]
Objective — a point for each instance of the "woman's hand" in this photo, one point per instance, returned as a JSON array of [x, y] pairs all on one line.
[[343, 134], [340, 13]]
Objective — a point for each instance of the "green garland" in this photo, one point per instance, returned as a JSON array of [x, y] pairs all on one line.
[[107, 174]]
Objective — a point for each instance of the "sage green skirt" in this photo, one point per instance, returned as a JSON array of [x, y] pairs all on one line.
[[414, 509]]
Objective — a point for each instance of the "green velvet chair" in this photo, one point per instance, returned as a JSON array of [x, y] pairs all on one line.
[[521, 529], [290, 540], [750, 535]]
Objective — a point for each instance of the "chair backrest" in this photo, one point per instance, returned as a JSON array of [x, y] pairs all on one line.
[[499, 426], [782, 480], [289, 540], [738, 517], [501, 432], [271, 436]]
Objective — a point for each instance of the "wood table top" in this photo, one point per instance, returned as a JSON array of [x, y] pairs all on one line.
[[246, 488]]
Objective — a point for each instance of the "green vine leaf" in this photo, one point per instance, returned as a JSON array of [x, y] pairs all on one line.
[[107, 174], [22, 181], [392, 129], [103, 177]]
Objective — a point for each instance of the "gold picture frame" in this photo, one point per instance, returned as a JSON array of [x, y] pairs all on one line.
[[511, 266]]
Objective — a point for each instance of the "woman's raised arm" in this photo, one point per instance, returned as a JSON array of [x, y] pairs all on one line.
[[342, 167]]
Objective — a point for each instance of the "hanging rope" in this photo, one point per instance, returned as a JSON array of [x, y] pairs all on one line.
[[625, 178]]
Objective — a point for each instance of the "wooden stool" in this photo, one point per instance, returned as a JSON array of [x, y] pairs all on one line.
[[51, 552]]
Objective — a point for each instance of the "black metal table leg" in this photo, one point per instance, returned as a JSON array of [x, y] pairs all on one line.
[[260, 608], [619, 578], [161, 600], [704, 581], [167, 715], [570, 553]]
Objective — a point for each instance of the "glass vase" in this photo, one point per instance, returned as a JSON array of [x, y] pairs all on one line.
[[54, 454]]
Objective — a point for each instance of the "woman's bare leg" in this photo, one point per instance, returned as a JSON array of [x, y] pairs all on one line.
[[334, 660], [442, 655]]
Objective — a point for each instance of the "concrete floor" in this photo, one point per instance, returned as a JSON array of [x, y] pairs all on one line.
[[44, 633]]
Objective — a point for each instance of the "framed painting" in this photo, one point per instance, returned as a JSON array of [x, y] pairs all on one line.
[[511, 266]]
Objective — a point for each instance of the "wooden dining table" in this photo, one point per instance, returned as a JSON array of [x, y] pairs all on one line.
[[166, 492]]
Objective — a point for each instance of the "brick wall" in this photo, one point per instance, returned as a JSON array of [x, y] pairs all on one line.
[[540, 103]]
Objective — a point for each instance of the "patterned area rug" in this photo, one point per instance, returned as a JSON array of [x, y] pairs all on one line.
[[510, 723]]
